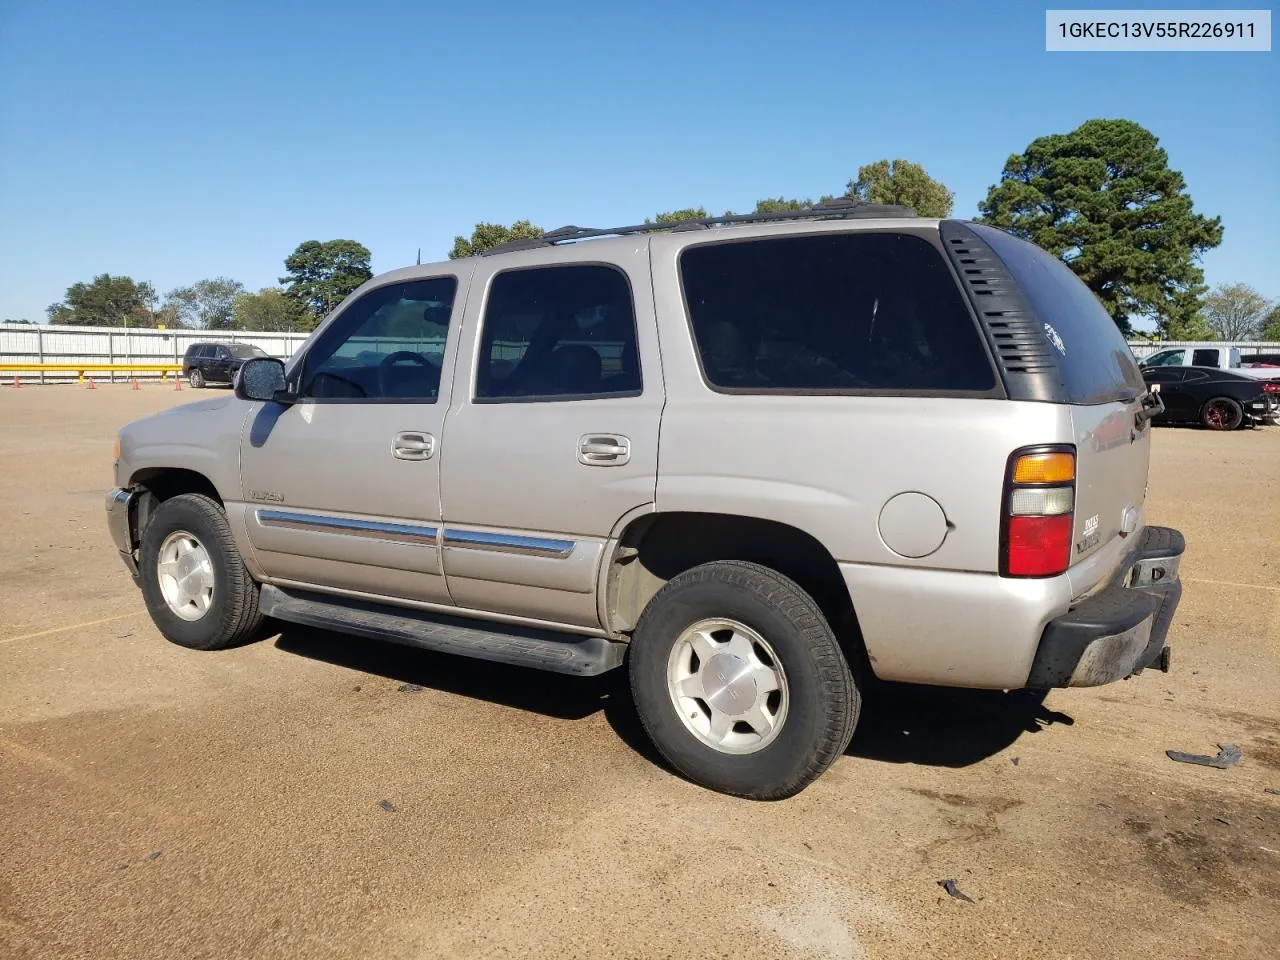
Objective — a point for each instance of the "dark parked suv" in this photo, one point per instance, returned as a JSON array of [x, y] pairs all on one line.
[[216, 362]]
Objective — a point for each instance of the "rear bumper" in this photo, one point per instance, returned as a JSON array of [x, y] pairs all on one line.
[[1261, 410], [120, 504], [1120, 630]]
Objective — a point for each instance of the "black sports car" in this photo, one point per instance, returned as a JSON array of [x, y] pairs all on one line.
[[1217, 399]]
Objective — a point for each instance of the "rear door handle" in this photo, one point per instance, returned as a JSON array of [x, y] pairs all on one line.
[[414, 445], [603, 449]]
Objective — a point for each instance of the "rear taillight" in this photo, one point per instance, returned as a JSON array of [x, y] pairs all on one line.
[[1039, 512], [1270, 387]]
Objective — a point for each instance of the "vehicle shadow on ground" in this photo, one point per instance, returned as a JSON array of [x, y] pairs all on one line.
[[946, 727], [900, 723]]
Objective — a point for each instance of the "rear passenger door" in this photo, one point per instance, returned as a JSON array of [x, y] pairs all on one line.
[[552, 434], [219, 365]]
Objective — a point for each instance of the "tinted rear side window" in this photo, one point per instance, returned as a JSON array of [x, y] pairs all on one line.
[[558, 332], [1093, 357], [832, 313], [1204, 358]]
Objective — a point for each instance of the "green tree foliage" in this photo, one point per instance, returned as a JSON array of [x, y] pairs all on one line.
[[781, 205], [269, 309], [1195, 327], [321, 275], [1104, 199], [7, 320], [677, 216], [105, 301], [1271, 325], [901, 182], [1236, 311], [486, 236], [206, 304], [167, 317]]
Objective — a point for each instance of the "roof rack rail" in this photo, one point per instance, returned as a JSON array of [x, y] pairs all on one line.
[[837, 208]]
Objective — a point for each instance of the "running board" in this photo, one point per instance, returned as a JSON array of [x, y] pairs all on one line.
[[502, 643]]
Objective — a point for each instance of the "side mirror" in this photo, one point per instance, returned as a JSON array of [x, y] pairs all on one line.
[[262, 378]]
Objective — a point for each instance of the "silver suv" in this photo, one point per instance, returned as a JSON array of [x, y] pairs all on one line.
[[761, 461]]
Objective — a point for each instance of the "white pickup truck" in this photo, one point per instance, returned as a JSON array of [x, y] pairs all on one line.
[[1224, 358]]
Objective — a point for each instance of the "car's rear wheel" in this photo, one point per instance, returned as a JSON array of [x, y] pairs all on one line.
[[196, 379], [1222, 413], [740, 682], [196, 587]]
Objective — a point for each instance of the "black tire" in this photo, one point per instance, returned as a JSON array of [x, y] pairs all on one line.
[[233, 616], [824, 701], [196, 379], [1222, 413]]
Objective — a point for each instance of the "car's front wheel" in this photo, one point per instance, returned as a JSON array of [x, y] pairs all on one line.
[[195, 585], [740, 682], [196, 378]]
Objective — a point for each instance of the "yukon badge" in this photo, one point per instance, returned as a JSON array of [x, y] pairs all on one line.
[[1090, 535], [268, 495]]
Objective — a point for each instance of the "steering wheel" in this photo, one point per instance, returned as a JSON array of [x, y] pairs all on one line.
[[391, 359]]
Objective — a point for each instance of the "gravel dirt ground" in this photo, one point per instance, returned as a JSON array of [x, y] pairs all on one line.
[[313, 796]]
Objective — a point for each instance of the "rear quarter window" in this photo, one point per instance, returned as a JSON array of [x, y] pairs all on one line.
[[832, 313], [1093, 358]]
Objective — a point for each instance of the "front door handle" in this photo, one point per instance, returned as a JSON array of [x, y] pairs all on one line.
[[414, 445], [603, 449]]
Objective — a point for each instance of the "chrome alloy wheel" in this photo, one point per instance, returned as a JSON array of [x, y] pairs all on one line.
[[728, 686], [185, 573]]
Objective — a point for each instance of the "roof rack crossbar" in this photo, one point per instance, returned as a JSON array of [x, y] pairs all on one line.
[[838, 208]]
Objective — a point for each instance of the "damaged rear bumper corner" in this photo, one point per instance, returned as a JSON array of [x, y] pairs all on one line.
[[1121, 630]]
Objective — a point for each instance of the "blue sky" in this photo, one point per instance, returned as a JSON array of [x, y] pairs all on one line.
[[173, 141]]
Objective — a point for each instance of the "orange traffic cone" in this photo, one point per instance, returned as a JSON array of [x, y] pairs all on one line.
[[177, 382], [91, 386], [135, 384], [17, 382]]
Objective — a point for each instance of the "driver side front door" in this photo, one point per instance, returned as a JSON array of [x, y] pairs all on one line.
[[342, 488]]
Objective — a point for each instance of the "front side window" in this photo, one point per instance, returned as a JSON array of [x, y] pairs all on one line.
[[558, 332], [388, 345], [246, 351], [1165, 358], [831, 313]]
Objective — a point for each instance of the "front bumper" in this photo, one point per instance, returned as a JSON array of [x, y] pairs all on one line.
[[1120, 630], [120, 507]]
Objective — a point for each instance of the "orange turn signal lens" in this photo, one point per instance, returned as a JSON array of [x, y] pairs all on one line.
[[1045, 468]]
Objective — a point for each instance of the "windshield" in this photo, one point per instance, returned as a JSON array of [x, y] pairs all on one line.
[[243, 351]]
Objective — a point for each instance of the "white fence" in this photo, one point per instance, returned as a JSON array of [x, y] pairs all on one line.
[[30, 343]]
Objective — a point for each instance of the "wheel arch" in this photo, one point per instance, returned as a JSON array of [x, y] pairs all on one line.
[[158, 484], [655, 547]]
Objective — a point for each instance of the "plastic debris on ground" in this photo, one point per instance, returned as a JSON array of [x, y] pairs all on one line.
[[1228, 756]]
